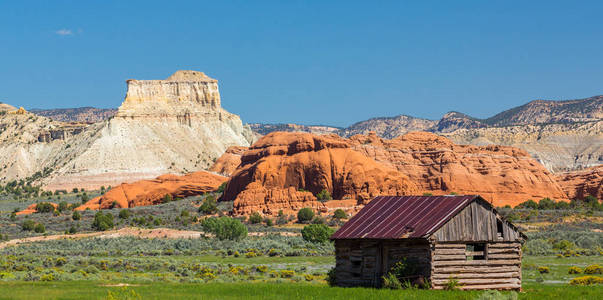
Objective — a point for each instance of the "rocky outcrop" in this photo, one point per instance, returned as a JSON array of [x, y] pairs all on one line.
[[229, 161], [547, 111], [502, 175], [456, 120], [263, 129], [151, 192], [32, 209], [78, 115], [389, 127], [582, 183], [559, 147], [284, 171]]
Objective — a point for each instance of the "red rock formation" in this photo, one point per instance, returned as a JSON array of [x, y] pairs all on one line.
[[32, 209], [150, 192], [284, 170], [501, 174], [229, 161], [579, 184]]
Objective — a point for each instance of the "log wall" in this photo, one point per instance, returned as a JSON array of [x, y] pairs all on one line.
[[500, 270], [364, 262]]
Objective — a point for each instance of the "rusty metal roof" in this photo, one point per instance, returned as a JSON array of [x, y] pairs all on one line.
[[394, 217]]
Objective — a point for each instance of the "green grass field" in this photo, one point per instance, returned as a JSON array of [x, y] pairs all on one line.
[[553, 285], [101, 290]]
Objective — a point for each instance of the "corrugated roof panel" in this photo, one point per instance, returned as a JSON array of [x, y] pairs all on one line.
[[392, 217]]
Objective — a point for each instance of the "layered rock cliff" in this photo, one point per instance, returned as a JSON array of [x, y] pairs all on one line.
[[582, 183], [502, 175], [163, 126]]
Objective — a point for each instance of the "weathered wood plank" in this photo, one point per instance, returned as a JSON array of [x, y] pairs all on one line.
[[476, 275], [503, 256], [505, 245], [449, 257], [468, 281], [454, 251], [475, 269], [477, 262], [502, 250], [484, 287], [447, 246]]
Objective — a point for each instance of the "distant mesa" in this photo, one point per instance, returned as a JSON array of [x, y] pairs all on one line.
[[167, 126]]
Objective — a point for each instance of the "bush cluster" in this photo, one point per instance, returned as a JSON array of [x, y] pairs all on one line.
[[225, 228], [317, 233]]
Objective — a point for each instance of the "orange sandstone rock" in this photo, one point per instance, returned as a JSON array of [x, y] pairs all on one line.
[[501, 174], [32, 209], [579, 184], [229, 161], [151, 192], [284, 170]]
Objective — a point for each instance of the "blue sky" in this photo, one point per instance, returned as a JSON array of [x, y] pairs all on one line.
[[309, 62]]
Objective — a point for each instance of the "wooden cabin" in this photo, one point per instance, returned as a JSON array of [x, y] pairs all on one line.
[[440, 238]]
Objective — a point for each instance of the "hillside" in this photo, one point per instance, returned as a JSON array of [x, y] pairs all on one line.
[[80, 114], [547, 111], [388, 127]]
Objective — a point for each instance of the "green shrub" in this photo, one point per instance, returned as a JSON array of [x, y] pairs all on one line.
[[287, 273], [76, 215], [209, 206], [124, 214], [390, 281], [268, 222], [544, 270], [63, 206], [40, 228], [222, 187], [225, 228], [530, 204], [593, 269], [339, 214], [28, 225], [102, 221], [305, 215], [44, 207], [574, 270], [452, 284], [324, 195], [255, 218], [167, 198], [316, 233], [587, 280], [47, 277]]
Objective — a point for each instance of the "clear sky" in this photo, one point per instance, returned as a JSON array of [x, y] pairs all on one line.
[[309, 62]]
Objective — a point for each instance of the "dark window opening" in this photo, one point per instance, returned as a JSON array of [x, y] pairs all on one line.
[[476, 251], [356, 263], [499, 228]]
